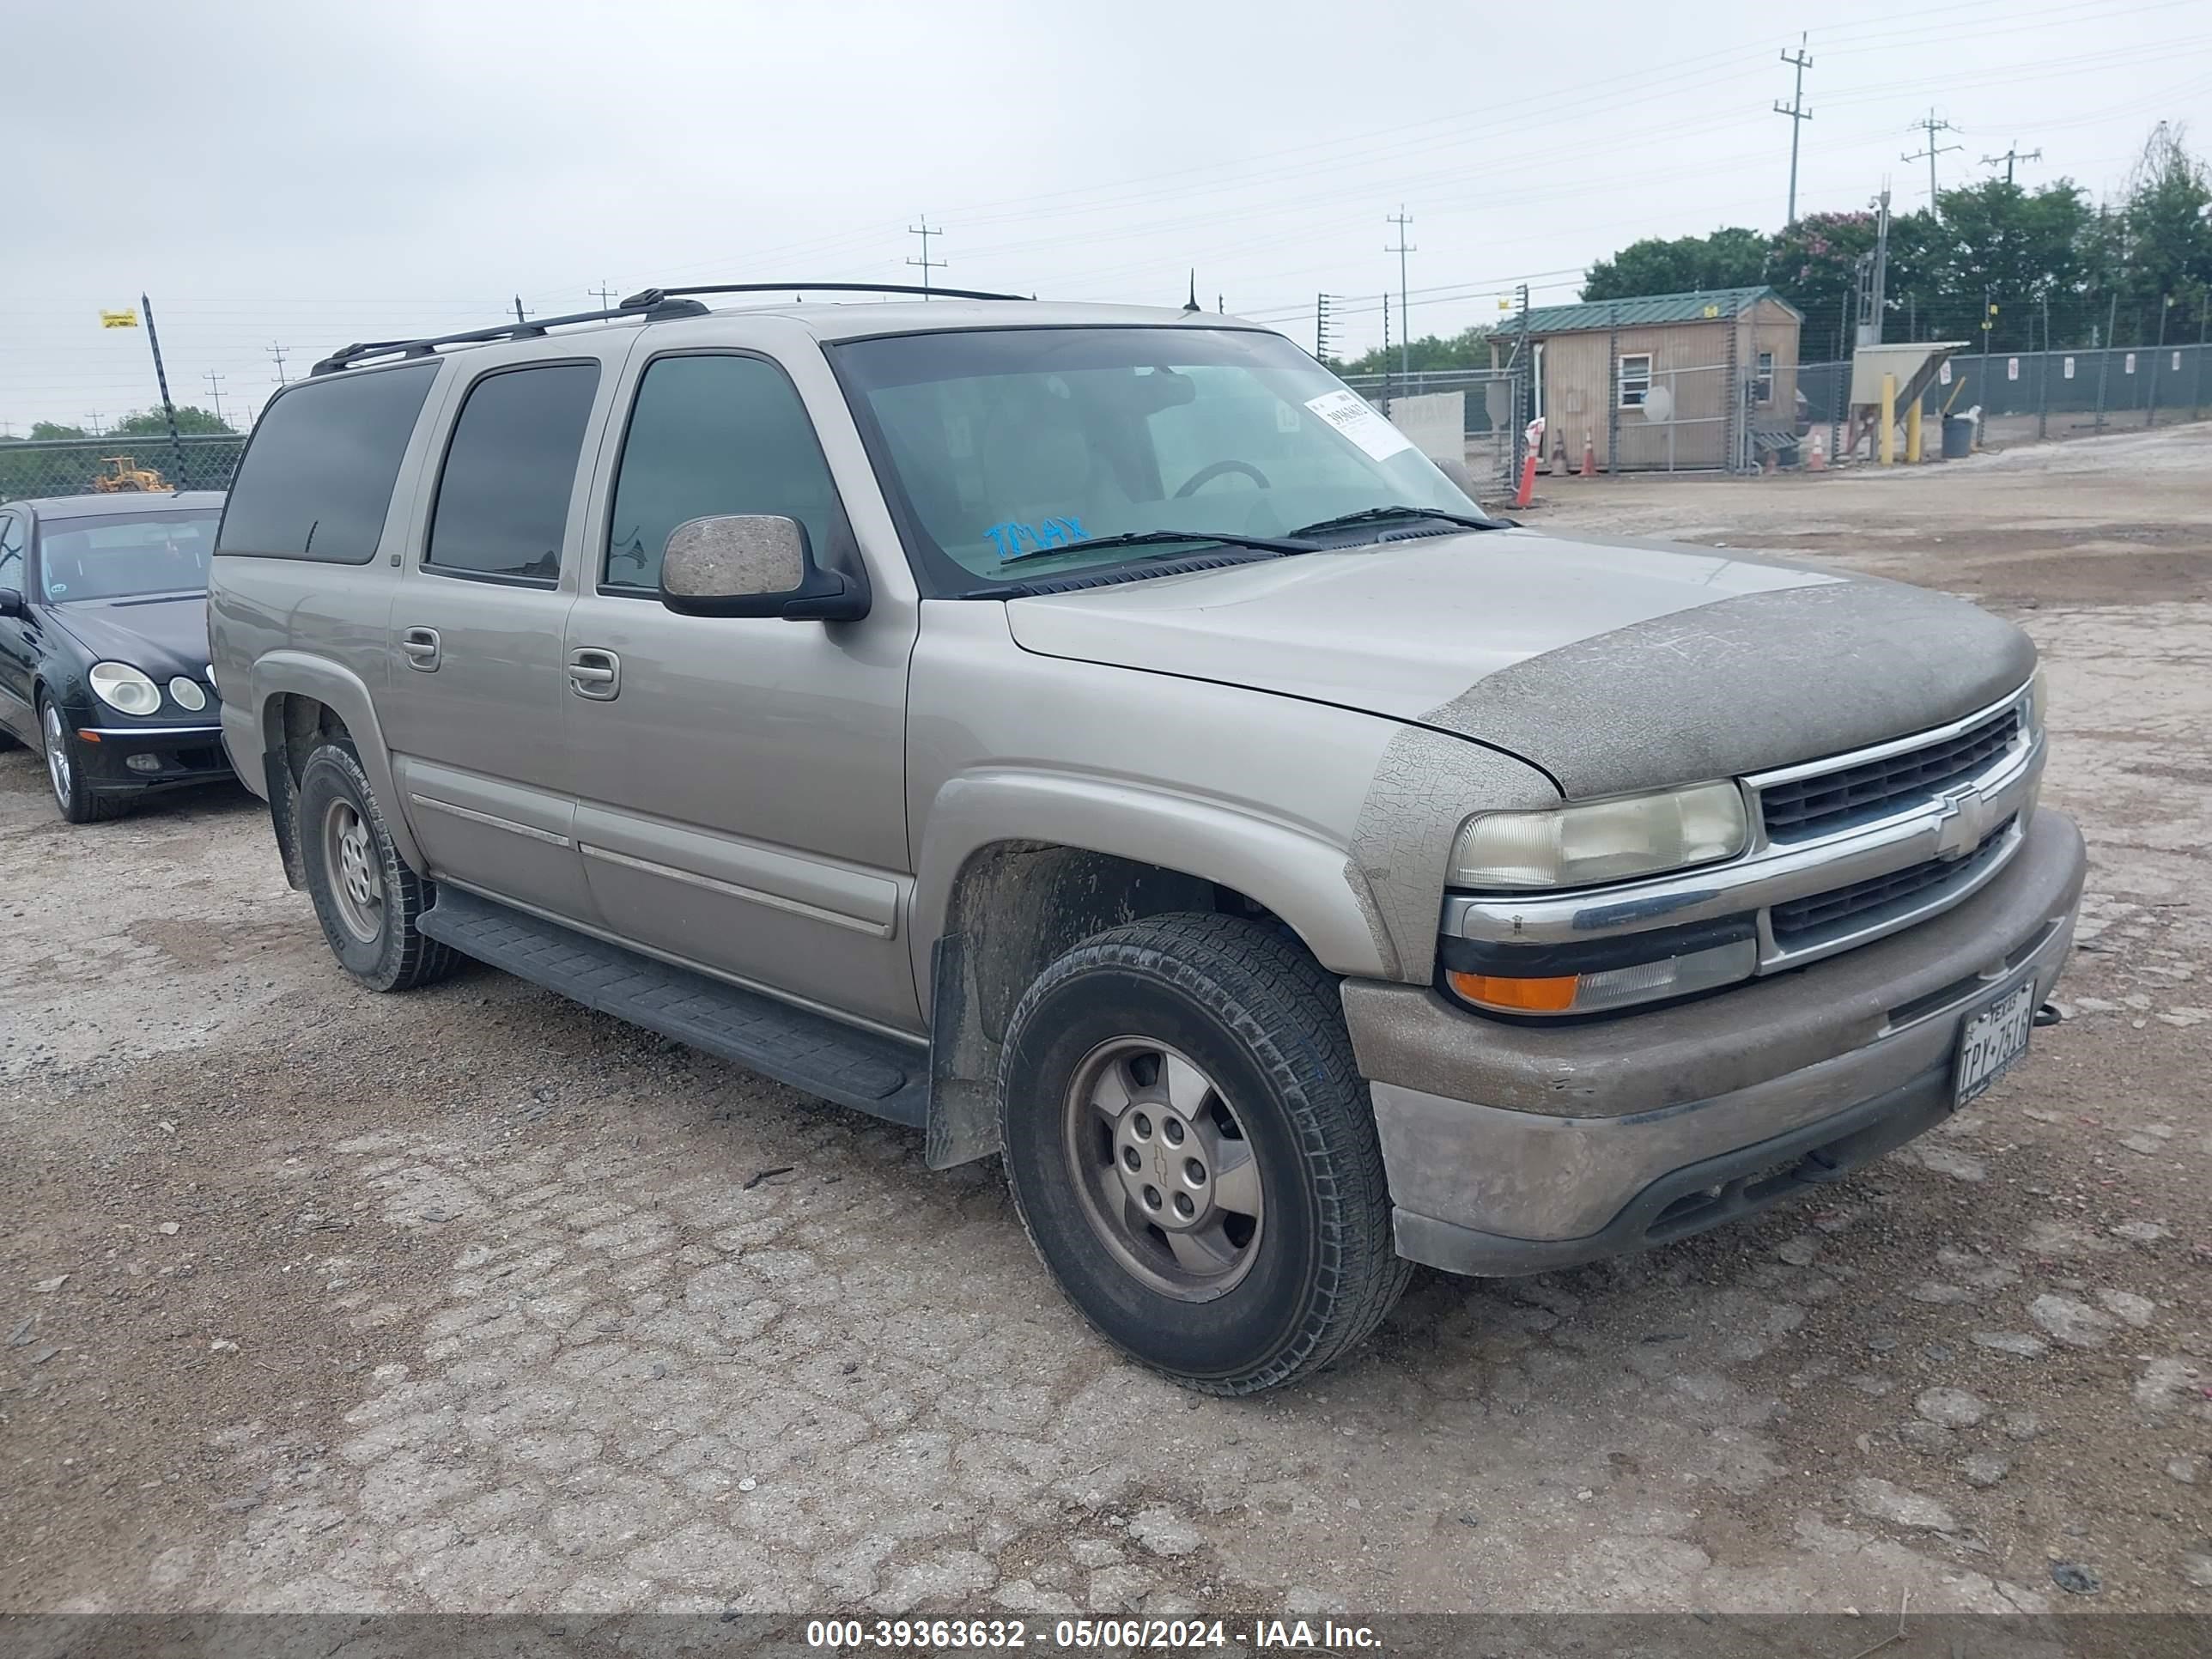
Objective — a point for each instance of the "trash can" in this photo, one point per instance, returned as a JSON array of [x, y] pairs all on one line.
[[1958, 437]]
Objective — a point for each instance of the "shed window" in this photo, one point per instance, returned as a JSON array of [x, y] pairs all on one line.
[[1635, 380], [1762, 383]]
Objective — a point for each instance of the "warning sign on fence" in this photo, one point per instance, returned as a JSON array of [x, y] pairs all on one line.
[[2012, 368], [1944, 374], [2070, 368], [2130, 367]]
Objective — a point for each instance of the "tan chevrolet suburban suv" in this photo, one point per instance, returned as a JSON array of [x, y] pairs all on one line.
[[1095, 737]]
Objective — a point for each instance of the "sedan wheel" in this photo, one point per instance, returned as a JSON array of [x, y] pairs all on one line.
[[57, 760]]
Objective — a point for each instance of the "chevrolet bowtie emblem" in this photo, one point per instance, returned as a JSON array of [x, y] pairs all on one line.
[[1963, 821]]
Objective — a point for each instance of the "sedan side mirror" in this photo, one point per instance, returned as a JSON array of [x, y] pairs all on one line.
[[11, 602], [753, 564]]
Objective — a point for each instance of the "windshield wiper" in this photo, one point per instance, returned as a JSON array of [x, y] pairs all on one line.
[[1155, 538], [1377, 514]]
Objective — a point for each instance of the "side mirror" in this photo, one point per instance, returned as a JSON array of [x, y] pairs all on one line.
[[752, 564], [11, 602]]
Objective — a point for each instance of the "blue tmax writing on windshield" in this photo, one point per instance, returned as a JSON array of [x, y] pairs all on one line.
[[1014, 537]]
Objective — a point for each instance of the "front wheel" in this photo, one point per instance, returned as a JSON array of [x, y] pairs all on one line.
[[65, 772], [1192, 1150], [366, 897]]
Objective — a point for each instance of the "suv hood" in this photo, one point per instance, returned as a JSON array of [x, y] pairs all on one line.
[[1613, 665]]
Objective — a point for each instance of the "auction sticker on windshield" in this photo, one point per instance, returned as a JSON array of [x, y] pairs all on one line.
[[1355, 417]]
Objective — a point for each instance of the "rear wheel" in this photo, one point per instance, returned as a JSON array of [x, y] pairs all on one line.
[[65, 772], [366, 897], [1193, 1152]]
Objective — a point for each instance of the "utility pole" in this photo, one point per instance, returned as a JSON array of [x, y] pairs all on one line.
[[1932, 126], [91, 420], [1386, 354], [1798, 114], [1875, 277], [215, 391], [1405, 327], [927, 263], [1320, 328], [520, 315], [2015, 154], [604, 295], [276, 352], [161, 379]]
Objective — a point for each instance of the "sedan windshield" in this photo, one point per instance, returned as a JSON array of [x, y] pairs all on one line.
[[1029, 444], [121, 554]]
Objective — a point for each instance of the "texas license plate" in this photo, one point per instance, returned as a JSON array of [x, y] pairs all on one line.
[[1992, 1043]]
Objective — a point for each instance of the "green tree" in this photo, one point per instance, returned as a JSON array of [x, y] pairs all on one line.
[[153, 423], [1469, 349], [1730, 257], [1996, 244], [2160, 244], [55, 429]]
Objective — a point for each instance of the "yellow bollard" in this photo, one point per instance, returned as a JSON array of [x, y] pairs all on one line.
[[1912, 433], [1889, 420]]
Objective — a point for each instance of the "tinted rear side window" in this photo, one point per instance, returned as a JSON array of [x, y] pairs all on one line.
[[317, 477], [502, 507]]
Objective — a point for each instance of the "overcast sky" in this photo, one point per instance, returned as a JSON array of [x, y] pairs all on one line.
[[301, 172]]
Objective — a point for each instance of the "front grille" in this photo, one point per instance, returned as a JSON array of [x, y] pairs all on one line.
[[1796, 918], [1832, 799]]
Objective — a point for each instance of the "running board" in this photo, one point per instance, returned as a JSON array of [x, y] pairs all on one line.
[[870, 1073]]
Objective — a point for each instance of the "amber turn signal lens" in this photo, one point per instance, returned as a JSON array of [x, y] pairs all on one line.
[[1531, 996]]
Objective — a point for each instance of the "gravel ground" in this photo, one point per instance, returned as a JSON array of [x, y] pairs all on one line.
[[471, 1299]]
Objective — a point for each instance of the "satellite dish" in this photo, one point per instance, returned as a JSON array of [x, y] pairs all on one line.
[[1659, 405]]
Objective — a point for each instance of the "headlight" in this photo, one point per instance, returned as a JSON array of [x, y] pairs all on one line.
[[1600, 841], [188, 693], [121, 686]]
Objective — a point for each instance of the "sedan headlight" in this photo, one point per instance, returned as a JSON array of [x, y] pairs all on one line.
[[1600, 841], [122, 687], [188, 694]]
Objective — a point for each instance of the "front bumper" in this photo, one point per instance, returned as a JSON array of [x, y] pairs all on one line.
[[1514, 1148], [176, 753]]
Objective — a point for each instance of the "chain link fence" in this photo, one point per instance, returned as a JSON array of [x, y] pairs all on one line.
[[76, 466], [1494, 410]]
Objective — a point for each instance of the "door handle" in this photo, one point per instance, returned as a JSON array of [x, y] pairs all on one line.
[[421, 645], [595, 674]]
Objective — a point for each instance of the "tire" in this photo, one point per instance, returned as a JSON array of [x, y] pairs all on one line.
[[65, 772], [1286, 1261], [366, 897]]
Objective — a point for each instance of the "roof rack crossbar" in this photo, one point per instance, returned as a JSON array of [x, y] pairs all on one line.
[[647, 296], [353, 356]]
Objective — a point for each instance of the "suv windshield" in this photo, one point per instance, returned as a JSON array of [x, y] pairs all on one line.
[[1002, 442], [118, 556]]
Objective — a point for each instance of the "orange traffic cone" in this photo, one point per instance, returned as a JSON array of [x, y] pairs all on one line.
[[1818, 460]]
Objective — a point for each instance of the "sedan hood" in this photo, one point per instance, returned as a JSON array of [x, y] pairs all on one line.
[[165, 634], [1613, 666]]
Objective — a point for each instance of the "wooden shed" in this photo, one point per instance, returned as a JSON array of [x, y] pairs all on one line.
[[1664, 381]]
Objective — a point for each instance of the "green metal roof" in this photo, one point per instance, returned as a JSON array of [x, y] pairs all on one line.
[[1644, 310]]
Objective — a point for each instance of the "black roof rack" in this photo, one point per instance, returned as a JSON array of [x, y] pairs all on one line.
[[655, 309], [650, 295], [652, 304]]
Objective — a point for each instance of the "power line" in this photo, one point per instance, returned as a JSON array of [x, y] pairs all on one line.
[[1401, 219], [1932, 126], [927, 263], [1798, 114], [2015, 154]]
